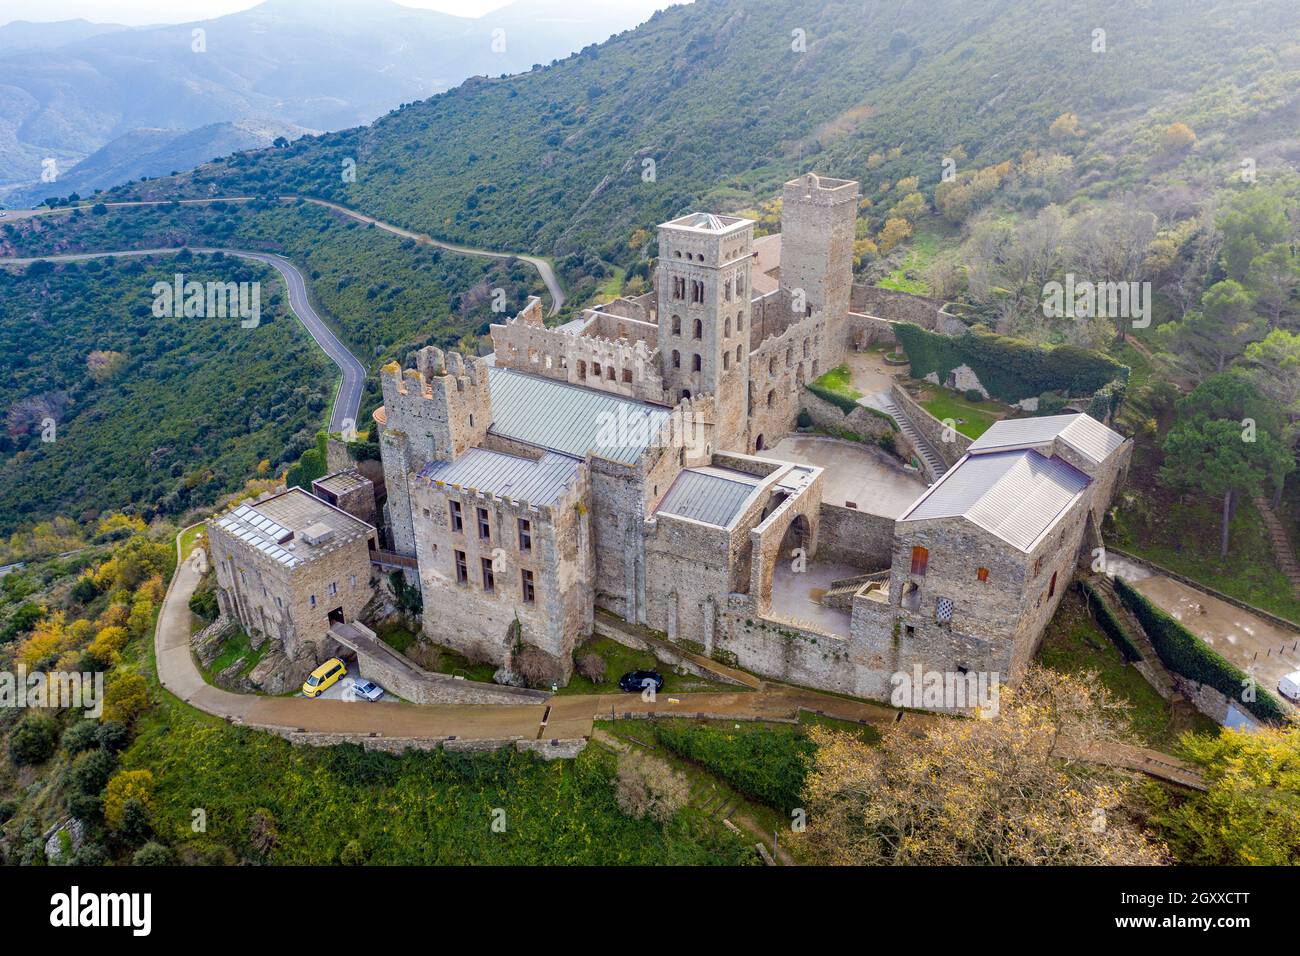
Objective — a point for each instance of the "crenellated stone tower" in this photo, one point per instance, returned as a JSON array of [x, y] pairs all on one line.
[[433, 412], [818, 219], [703, 290]]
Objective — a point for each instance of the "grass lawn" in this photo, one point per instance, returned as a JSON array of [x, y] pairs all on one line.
[[191, 537], [619, 659], [396, 636], [839, 380], [1074, 643], [1184, 537], [973, 418], [925, 243]]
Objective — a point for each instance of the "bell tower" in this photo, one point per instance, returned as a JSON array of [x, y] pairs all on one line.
[[703, 291]]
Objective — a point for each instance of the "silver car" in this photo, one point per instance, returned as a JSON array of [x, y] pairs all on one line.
[[367, 690]]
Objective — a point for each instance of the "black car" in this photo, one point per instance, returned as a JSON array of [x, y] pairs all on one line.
[[634, 681]]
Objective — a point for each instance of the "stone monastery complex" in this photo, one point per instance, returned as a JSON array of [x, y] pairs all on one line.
[[626, 464]]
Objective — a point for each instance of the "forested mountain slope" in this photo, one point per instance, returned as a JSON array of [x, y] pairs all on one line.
[[720, 97]]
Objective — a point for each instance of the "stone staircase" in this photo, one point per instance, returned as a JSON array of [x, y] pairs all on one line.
[[934, 462], [1286, 559], [840, 594]]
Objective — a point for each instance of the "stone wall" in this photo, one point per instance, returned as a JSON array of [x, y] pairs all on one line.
[[471, 619], [895, 306], [627, 366], [778, 370], [857, 538], [378, 662]]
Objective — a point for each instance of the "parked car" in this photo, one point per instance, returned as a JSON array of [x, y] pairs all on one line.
[[1289, 686], [327, 675], [634, 681], [367, 690]]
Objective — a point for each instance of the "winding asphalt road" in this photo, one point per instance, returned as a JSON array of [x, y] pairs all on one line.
[[347, 400], [543, 267]]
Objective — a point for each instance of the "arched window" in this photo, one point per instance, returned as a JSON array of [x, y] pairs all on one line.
[[771, 365], [726, 361], [771, 394], [699, 329], [695, 362], [677, 325], [726, 328], [789, 357], [740, 321], [677, 359], [805, 348], [739, 354]]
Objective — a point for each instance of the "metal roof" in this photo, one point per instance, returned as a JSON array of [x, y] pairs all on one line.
[[1083, 433], [710, 495], [707, 222], [540, 482], [1015, 495], [276, 526], [570, 419]]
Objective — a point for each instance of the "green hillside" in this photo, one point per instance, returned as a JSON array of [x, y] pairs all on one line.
[[553, 161]]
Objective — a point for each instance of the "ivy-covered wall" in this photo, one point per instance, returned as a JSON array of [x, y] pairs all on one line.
[[1009, 368]]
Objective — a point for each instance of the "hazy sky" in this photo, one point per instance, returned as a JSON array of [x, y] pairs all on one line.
[[136, 12]]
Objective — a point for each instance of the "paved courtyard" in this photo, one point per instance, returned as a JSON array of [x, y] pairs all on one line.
[[867, 476], [796, 597]]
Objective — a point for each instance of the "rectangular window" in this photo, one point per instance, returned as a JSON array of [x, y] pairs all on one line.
[[484, 528], [457, 524], [1051, 588], [920, 561], [333, 588], [982, 574], [352, 580], [489, 580], [530, 594], [525, 535], [313, 600], [462, 568]]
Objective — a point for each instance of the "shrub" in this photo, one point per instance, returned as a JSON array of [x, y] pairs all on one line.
[[1109, 623], [352, 854], [768, 765], [537, 667], [153, 854], [204, 604], [7, 810], [90, 773], [81, 736], [1186, 654], [123, 788], [647, 787], [33, 740], [592, 667], [126, 697], [973, 395]]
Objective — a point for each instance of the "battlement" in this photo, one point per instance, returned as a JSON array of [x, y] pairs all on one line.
[[624, 366], [811, 189]]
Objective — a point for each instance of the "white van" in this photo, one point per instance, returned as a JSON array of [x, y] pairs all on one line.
[[1289, 686]]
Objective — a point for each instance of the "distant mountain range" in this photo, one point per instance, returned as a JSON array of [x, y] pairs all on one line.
[[109, 103]]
